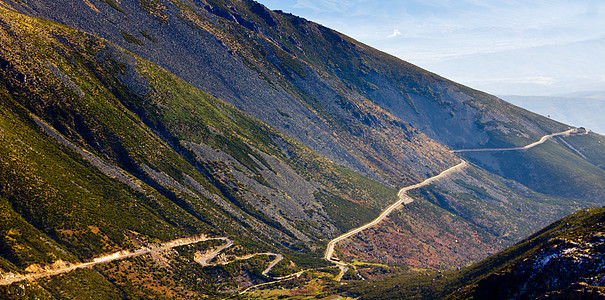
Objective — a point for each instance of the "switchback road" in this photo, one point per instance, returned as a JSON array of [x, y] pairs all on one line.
[[11, 278], [202, 259]]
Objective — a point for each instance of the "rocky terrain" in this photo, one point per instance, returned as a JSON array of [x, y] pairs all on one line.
[[130, 123], [562, 261]]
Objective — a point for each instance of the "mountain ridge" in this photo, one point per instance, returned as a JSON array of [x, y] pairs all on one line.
[[103, 150]]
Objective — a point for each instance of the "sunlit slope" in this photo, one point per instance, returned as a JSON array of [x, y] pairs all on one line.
[[106, 150], [357, 106], [99, 145], [563, 261]]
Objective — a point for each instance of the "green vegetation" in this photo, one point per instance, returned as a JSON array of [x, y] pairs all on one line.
[[315, 284], [494, 204], [479, 190], [132, 39], [81, 283], [288, 63], [577, 227], [114, 5], [58, 205], [576, 178], [25, 290], [121, 172], [341, 211], [148, 36], [22, 244], [190, 106]]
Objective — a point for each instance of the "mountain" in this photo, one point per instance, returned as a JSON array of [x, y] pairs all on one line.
[[135, 125], [564, 260], [90, 166], [582, 110], [346, 107], [264, 63], [561, 261], [475, 43]]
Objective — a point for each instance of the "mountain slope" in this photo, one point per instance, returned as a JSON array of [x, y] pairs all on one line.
[[466, 216], [103, 150], [344, 100], [76, 135], [562, 261], [246, 67]]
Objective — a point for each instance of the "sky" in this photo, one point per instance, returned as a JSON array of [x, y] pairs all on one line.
[[504, 47]]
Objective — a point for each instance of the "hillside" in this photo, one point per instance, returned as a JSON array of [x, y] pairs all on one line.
[[89, 167], [266, 64], [562, 261], [139, 123], [344, 100], [257, 73]]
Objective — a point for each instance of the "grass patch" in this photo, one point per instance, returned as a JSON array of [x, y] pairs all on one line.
[[131, 38], [148, 36], [114, 5]]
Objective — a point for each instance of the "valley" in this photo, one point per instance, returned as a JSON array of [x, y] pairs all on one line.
[[278, 146], [205, 258]]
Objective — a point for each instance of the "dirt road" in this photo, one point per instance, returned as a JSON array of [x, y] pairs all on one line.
[[403, 199], [542, 140], [11, 278], [201, 259]]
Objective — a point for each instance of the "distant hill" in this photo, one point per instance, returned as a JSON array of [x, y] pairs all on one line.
[[581, 110], [556, 68]]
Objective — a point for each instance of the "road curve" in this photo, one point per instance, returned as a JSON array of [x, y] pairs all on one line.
[[542, 140], [278, 258], [11, 278], [402, 200], [208, 257], [203, 260], [406, 200]]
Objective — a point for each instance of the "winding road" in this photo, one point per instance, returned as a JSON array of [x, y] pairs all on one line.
[[11, 278], [542, 140], [208, 257], [203, 259], [403, 199]]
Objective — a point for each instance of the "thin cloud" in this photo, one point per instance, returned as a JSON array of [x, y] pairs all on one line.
[[396, 33], [305, 4]]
